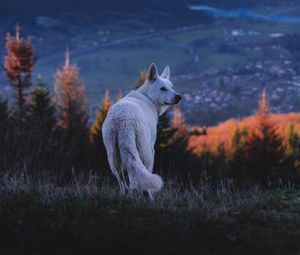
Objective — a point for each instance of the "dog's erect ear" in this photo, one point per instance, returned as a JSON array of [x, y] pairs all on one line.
[[152, 73], [166, 73]]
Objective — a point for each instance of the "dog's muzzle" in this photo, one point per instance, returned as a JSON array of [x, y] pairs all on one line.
[[178, 99]]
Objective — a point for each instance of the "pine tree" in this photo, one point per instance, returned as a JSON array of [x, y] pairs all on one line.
[[172, 156], [42, 110], [292, 162], [70, 96], [4, 112], [18, 65], [165, 131], [96, 129], [264, 150], [4, 128], [98, 152], [72, 114], [236, 154]]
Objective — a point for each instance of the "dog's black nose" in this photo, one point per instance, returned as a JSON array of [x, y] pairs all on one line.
[[178, 98]]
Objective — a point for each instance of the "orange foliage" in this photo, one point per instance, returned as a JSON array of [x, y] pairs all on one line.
[[19, 63], [20, 57], [70, 93], [223, 132]]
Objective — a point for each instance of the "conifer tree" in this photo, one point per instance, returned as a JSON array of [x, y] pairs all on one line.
[[264, 150], [71, 102], [237, 153], [292, 162], [42, 110], [4, 112], [98, 152], [172, 155], [18, 64], [96, 129], [4, 127], [72, 114]]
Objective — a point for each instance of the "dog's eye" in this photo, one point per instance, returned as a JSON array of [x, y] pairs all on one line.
[[163, 89]]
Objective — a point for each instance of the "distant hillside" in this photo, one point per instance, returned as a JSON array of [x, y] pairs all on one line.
[[89, 11]]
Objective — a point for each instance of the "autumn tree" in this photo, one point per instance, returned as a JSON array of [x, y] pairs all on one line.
[[264, 150], [96, 129], [98, 152], [18, 64], [70, 99], [72, 113]]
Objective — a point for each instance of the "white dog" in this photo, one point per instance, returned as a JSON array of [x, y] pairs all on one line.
[[129, 132]]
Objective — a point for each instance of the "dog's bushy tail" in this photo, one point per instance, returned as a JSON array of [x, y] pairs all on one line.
[[139, 177]]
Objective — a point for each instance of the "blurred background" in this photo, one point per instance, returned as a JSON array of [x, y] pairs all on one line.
[[222, 54]]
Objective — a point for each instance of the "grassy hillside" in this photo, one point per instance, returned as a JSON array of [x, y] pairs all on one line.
[[116, 64], [38, 217]]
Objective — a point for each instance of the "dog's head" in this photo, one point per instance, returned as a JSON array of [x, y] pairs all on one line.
[[160, 88]]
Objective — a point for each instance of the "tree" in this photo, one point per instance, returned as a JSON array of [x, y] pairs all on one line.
[[4, 112], [42, 108], [264, 149], [292, 162], [4, 118], [96, 129], [98, 152], [4, 128], [18, 65], [236, 154], [172, 156], [70, 96], [165, 132], [72, 114]]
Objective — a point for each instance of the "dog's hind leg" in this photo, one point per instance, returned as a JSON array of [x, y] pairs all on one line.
[[122, 185], [111, 143], [145, 149], [140, 177], [116, 173]]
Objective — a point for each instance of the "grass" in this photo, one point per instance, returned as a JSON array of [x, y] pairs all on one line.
[[87, 216]]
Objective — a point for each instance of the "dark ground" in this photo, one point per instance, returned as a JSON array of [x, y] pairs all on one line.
[[86, 219]]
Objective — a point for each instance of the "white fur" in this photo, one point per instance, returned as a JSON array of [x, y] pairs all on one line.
[[129, 132]]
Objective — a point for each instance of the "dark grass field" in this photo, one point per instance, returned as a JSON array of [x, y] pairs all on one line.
[[87, 217]]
